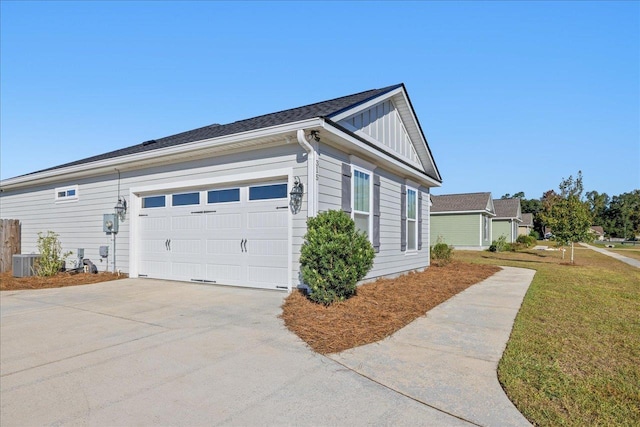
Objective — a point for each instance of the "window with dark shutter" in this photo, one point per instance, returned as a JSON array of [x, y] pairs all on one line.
[[419, 220], [346, 187]]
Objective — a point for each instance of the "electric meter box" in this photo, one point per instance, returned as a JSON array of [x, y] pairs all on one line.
[[104, 251], [110, 223]]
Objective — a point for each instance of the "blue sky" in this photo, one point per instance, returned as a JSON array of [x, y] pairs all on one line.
[[512, 96]]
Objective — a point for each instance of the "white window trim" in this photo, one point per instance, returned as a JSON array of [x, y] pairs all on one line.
[[355, 168], [64, 199], [415, 190]]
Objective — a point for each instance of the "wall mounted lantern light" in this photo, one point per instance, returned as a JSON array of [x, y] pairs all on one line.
[[121, 208], [295, 201]]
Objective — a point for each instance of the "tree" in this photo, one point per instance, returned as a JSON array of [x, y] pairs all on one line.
[[567, 214]]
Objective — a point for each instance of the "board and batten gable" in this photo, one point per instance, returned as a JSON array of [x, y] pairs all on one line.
[[391, 259]]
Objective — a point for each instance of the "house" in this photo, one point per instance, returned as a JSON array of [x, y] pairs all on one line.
[[221, 204], [462, 220], [508, 218], [525, 227], [597, 232]]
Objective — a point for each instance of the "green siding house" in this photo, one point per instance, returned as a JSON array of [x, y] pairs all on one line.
[[508, 218], [462, 220]]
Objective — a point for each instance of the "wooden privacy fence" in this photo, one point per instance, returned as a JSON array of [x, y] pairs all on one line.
[[10, 238]]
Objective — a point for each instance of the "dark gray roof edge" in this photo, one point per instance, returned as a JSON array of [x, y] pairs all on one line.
[[381, 92], [236, 127]]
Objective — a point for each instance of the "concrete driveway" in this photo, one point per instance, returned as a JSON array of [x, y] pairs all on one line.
[[147, 352]]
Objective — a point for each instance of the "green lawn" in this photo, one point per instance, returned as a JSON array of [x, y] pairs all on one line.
[[574, 353]]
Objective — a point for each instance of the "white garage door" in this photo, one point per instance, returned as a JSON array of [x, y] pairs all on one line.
[[231, 236]]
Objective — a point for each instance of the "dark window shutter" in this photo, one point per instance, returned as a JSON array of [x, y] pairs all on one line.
[[346, 187], [403, 218], [376, 213], [419, 220]]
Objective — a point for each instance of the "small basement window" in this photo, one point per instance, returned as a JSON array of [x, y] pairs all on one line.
[[185, 199], [264, 192], [153, 202], [223, 196], [64, 194]]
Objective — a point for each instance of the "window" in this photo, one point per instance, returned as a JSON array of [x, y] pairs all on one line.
[[412, 217], [362, 200], [66, 193], [264, 192], [153, 202], [485, 230], [185, 199], [223, 196]]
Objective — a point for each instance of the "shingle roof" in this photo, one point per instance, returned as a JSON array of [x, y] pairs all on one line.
[[527, 220], [460, 202], [506, 208], [320, 109]]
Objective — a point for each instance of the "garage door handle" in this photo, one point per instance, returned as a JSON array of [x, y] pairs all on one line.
[[166, 244], [241, 243], [245, 245], [169, 244]]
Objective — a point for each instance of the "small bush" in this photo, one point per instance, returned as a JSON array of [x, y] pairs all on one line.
[[441, 254], [51, 256], [534, 234], [526, 241], [498, 245], [334, 257]]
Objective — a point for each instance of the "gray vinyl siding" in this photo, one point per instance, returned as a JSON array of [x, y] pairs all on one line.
[[390, 260], [79, 223], [458, 230]]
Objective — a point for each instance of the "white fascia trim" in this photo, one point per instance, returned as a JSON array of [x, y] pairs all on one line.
[[376, 153], [91, 169], [366, 105]]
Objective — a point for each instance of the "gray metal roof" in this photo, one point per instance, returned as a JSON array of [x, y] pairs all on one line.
[[321, 109], [472, 202], [506, 208]]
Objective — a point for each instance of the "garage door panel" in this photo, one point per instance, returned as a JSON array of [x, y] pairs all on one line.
[[186, 270], [186, 247], [224, 221], [230, 274], [263, 275], [188, 222], [267, 247], [266, 220], [223, 246], [244, 243]]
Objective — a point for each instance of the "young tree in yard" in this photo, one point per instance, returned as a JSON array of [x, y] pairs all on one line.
[[567, 214]]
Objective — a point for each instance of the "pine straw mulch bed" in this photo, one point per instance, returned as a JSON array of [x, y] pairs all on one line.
[[379, 308], [10, 283]]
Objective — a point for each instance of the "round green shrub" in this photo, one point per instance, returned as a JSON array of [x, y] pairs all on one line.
[[441, 253], [334, 257], [526, 241]]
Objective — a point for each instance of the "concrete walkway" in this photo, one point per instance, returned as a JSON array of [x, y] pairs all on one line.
[[448, 359], [625, 259]]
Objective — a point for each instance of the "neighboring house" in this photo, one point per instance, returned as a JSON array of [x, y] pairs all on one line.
[[525, 227], [597, 232], [462, 220], [508, 218], [215, 204]]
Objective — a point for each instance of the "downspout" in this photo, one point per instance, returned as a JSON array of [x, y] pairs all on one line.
[[312, 171]]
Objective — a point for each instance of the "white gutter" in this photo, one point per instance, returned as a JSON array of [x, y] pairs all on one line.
[[312, 172]]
